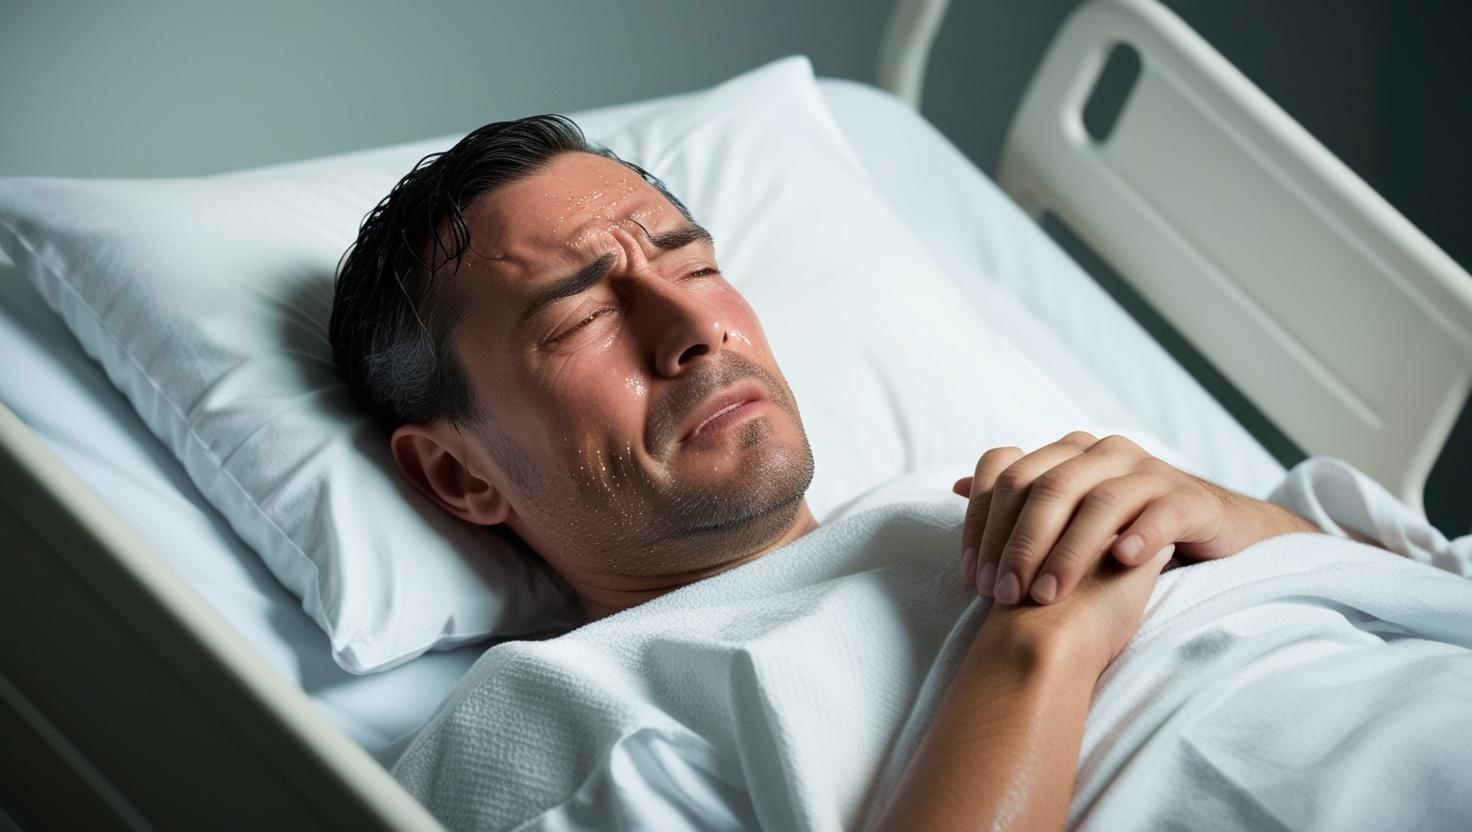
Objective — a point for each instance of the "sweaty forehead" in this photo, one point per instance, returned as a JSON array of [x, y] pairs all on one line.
[[562, 214]]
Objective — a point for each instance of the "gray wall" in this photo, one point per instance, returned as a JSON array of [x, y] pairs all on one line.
[[181, 88]]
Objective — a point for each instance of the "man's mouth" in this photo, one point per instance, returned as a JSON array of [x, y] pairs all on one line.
[[724, 409]]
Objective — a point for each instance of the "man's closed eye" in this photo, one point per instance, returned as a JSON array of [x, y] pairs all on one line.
[[587, 319]]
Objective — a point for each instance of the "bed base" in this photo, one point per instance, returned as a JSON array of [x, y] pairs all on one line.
[[1335, 315], [127, 702]]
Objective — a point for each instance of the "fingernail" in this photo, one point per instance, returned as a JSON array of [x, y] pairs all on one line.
[[1045, 589], [1129, 548], [987, 577], [1009, 589], [968, 566]]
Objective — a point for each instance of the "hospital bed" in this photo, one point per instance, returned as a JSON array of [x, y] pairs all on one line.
[[154, 674]]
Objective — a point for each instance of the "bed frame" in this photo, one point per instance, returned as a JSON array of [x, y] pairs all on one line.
[[1347, 327], [142, 707]]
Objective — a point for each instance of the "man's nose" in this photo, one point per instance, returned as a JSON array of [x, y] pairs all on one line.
[[680, 328]]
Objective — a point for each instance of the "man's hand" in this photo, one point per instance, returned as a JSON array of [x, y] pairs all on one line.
[[1003, 746], [1086, 630], [1037, 522]]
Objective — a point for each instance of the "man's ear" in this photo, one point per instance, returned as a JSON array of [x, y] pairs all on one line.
[[433, 459]]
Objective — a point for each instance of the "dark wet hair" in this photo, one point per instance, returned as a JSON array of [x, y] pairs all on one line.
[[393, 312]]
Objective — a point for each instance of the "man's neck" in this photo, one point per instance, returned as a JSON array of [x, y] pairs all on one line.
[[600, 601]]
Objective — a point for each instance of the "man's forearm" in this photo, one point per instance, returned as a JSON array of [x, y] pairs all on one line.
[[1003, 746]]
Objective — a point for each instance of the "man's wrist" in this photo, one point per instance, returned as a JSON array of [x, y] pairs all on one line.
[[1249, 521], [1280, 520], [1029, 641]]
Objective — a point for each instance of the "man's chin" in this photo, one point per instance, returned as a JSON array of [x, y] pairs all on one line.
[[760, 484], [754, 522]]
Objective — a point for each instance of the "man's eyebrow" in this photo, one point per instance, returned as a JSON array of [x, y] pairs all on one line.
[[588, 276], [681, 237], [584, 279]]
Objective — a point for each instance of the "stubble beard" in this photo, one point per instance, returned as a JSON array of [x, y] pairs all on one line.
[[618, 521]]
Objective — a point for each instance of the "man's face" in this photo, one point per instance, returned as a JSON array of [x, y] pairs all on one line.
[[637, 422]]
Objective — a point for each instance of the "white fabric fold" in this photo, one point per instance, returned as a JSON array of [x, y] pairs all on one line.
[[1307, 682], [1341, 500]]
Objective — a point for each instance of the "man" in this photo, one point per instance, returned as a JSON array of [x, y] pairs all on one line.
[[546, 333]]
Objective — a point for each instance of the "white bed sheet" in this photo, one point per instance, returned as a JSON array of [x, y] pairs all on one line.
[[1024, 284]]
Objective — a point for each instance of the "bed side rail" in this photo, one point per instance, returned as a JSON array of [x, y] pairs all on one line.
[[127, 702], [1334, 314], [904, 49]]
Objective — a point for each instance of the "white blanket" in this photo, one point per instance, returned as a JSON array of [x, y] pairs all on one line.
[[1307, 682]]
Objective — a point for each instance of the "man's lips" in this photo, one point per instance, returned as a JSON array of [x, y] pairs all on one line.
[[720, 404]]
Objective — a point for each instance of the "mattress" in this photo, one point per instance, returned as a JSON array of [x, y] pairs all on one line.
[[1023, 283]]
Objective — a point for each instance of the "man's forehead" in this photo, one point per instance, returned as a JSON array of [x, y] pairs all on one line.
[[564, 212]]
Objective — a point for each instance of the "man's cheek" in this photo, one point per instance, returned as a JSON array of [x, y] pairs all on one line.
[[637, 386], [744, 327]]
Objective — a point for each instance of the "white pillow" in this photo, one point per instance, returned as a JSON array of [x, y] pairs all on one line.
[[206, 301]]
